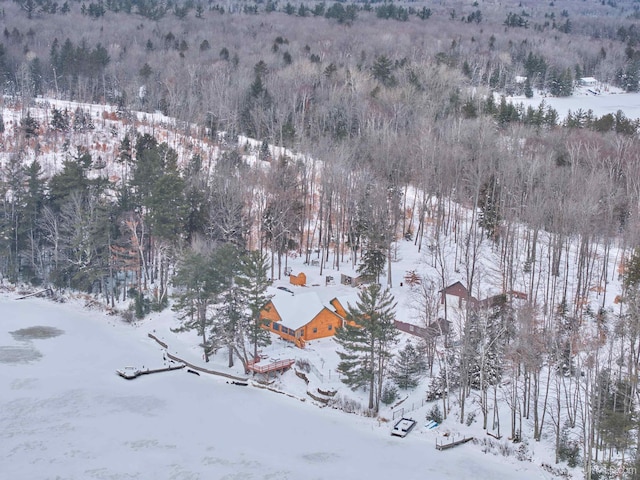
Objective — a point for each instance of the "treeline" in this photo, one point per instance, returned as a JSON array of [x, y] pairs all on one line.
[[396, 147]]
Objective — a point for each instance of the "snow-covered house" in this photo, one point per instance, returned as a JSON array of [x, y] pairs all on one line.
[[588, 81], [299, 318]]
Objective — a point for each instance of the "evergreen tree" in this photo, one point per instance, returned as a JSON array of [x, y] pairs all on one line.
[[29, 126], [167, 207], [84, 224], [202, 279], [373, 262], [382, 71], [631, 278], [60, 120], [366, 342], [72, 178], [528, 91], [407, 368], [252, 283], [614, 410], [489, 204], [33, 203]]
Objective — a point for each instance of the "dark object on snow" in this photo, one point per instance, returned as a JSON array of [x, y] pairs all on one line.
[[403, 427], [192, 371], [286, 290], [242, 384]]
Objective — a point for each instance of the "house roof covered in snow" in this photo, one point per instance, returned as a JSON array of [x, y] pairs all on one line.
[[296, 311], [345, 301]]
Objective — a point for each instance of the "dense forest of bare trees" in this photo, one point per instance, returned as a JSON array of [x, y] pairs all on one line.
[[374, 123]]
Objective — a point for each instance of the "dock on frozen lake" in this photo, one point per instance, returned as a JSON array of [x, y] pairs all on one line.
[[447, 446], [131, 372]]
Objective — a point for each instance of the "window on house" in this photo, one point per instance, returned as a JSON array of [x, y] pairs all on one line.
[[315, 329], [330, 327], [276, 326]]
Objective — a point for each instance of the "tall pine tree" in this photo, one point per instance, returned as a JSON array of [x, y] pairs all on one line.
[[252, 283], [366, 345]]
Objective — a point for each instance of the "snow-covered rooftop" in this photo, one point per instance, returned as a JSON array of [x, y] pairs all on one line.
[[297, 310]]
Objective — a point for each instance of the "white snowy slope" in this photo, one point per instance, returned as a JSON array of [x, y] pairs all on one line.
[[65, 414]]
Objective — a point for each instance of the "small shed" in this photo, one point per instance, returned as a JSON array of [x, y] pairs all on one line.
[[588, 81], [299, 280], [353, 280]]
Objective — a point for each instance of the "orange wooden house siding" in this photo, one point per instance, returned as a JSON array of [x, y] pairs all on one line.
[[324, 324], [300, 279], [340, 310]]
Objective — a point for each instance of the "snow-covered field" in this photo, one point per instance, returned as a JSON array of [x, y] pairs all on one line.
[[608, 100], [64, 413]]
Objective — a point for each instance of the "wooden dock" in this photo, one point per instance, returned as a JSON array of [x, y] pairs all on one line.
[[48, 291], [130, 375], [447, 446], [195, 367]]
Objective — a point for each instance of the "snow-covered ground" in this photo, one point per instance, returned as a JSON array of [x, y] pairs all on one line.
[[603, 101], [64, 413]]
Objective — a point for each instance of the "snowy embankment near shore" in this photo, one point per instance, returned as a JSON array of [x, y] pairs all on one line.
[[65, 413]]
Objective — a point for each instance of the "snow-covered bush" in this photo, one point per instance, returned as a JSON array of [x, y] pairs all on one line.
[[435, 414], [389, 394], [303, 365], [345, 404], [470, 418], [569, 450]]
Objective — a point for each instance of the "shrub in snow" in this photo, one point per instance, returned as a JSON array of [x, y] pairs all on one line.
[[389, 394], [303, 365], [568, 450], [522, 453], [127, 316], [470, 418], [435, 414], [345, 404]]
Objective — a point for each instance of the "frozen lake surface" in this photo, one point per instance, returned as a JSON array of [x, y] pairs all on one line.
[[607, 102], [64, 413]]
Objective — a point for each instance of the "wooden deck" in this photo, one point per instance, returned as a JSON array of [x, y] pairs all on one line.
[[280, 366], [447, 446]]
